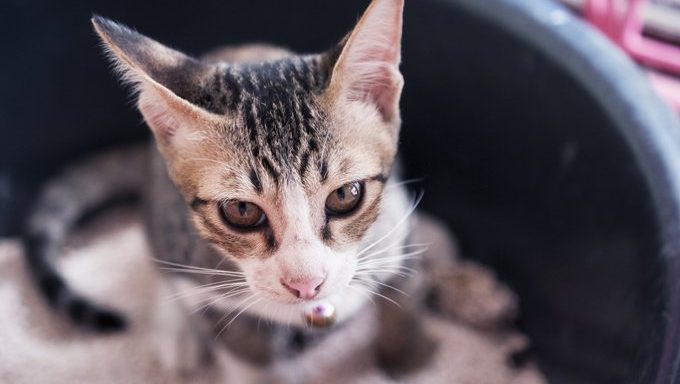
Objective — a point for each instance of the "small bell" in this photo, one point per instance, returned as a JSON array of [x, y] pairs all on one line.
[[320, 315]]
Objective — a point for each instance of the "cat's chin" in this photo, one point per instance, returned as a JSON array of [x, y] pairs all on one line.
[[345, 304]]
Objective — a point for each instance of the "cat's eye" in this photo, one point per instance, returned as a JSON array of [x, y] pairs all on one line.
[[242, 214], [345, 199]]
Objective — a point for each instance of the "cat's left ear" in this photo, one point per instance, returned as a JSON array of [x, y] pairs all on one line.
[[367, 69]]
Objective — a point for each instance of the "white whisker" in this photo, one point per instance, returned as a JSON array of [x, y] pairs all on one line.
[[182, 267], [240, 312], [377, 294], [402, 183], [242, 302], [383, 285], [397, 270], [386, 268], [363, 292], [195, 291], [200, 272], [186, 295], [241, 281], [394, 247], [219, 298], [397, 225], [384, 260]]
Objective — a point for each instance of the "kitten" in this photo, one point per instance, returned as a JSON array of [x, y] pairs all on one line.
[[271, 187]]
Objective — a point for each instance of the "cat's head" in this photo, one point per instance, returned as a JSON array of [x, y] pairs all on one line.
[[283, 162]]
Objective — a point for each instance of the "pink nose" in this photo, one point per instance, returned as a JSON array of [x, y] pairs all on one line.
[[304, 288]]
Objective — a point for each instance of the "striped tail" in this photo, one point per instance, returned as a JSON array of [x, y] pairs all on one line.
[[64, 202]]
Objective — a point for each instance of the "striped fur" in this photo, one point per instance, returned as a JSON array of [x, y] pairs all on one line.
[[265, 126]]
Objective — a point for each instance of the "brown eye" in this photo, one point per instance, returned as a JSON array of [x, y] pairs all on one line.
[[242, 214], [344, 199]]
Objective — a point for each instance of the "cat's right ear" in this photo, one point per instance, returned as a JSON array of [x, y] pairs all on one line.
[[367, 68], [161, 76]]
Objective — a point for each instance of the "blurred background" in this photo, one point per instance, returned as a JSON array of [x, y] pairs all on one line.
[[541, 141]]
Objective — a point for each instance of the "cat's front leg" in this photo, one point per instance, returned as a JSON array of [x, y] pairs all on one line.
[[402, 345], [183, 349]]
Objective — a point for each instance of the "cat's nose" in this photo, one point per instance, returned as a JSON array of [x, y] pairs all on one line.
[[306, 288]]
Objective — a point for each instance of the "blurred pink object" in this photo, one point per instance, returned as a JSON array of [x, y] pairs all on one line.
[[622, 22]]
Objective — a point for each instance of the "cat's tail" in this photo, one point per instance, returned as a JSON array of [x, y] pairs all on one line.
[[66, 200]]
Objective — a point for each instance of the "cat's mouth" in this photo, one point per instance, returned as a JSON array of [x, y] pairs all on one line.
[[322, 292]]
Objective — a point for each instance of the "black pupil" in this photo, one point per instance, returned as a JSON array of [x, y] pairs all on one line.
[[242, 208], [348, 193]]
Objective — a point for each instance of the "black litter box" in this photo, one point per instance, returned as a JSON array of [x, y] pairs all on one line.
[[540, 144]]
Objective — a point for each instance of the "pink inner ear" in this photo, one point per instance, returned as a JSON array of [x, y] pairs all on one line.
[[158, 114], [380, 86], [370, 60]]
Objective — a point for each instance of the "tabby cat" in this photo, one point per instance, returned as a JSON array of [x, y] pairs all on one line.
[[271, 188]]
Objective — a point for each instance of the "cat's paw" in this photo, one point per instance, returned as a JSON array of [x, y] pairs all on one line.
[[398, 362], [470, 293]]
